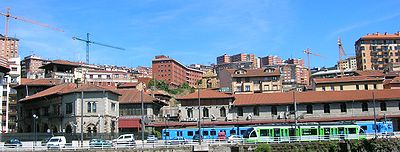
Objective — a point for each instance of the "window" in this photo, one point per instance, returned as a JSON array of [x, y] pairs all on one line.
[[364, 106], [190, 133], [247, 88], [333, 88], [205, 112], [357, 87], [190, 113], [274, 110], [327, 108], [213, 132], [291, 108], [343, 107], [68, 108], [253, 134], [341, 87], [113, 107], [383, 106], [256, 111], [375, 86], [323, 88], [366, 86], [91, 107], [240, 111], [309, 109], [222, 112], [205, 133]]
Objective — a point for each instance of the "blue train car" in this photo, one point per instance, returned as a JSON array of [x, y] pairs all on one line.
[[383, 127], [207, 133]]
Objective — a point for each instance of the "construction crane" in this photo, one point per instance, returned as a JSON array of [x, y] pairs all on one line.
[[308, 52], [8, 15], [88, 42], [341, 53]]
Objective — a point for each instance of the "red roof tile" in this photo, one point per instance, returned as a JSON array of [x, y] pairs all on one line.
[[40, 82], [314, 97], [65, 89], [133, 96], [346, 79], [206, 94], [395, 80], [381, 36], [371, 73], [128, 85]]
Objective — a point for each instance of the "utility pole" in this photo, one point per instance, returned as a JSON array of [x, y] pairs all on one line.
[[82, 118], [141, 99], [198, 95], [375, 127]]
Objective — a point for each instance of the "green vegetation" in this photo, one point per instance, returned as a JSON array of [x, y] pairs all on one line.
[[161, 85], [263, 148]]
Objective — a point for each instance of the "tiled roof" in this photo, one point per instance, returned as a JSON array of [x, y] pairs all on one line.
[[346, 79], [133, 96], [253, 72], [314, 97], [381, 36], [106, 71], [40, 82], [128, 85], [206, 94], [371, 73], [395, 80], [65, 89]]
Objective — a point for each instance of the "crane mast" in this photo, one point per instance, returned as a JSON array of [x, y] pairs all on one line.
[[341, 53]]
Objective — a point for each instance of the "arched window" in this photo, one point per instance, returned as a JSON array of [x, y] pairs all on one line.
[[205, 112], [190, 113], [222, 112]]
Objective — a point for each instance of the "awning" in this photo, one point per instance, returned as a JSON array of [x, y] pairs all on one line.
[[129, 123]]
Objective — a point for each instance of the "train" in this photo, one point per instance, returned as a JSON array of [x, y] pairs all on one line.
[[305, 132]]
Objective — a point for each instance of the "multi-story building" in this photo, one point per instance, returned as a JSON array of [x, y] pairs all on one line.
[[108, 78], [59, 110], [12, 47], [209, 80], [9, 101], [173, 72], [233, 65], [223, 59], [4, 69], [251, 80], [30, 67], [349, 63], [237, 58], [271, 60], [375, 51]]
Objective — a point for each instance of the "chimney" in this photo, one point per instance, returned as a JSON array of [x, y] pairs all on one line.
[[385, 33], [377, 33]]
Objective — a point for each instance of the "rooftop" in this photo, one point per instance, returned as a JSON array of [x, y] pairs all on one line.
[[133, 96], [206, 94], [260, 72], [346, 79], [378, 35]]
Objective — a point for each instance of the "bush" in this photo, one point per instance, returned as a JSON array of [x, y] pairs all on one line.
[[263, 148]]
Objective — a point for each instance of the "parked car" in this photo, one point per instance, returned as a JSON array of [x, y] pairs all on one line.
[[177, 141], [152, 139], [13, 143], [56, 142], [45, 140], [99, 143], [235, 139], [125, 140], [197, 138]]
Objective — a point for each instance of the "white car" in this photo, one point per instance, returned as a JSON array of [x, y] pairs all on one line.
[[56, 142], [235, 139], [125, 140]]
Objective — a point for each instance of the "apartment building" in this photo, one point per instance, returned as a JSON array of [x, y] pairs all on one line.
[[4, 69], [30, 67], [251, 80], [209, 80], [374, 51], [108, 78], [348, 83], [271, 60], [227, 61], [12, 47], [349, 63], [173, 72], [59, 110], [9, 100]]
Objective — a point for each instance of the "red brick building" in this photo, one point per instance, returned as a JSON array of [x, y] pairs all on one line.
[[173, 72]]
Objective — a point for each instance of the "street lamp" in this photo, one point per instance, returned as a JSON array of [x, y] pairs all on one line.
[[35, 117]]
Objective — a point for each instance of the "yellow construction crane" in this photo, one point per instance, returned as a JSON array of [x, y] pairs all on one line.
[[341, 53], [8, 15], [308, 52]]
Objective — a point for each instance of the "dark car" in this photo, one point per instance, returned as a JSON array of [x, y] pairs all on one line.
[[45, 140], [12, 143], [99, 143], [197, 138]]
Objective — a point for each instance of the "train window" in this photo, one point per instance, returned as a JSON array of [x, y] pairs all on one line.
[[205, 133], [263, 132], [277, 132], [232, 132], [196, 132], [179, 133], [352, 130], [213, 133], [253, 134], [292, 132], [242, 132], [341, 130], [309, 132], [190, 133], [166, 133]]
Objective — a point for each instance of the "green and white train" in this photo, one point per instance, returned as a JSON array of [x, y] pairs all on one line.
[[302, 133]]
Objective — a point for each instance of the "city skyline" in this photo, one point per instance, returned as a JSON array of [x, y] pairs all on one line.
[[205, 30]]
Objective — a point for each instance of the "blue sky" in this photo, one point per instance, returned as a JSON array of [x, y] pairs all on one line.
[[197, 31]]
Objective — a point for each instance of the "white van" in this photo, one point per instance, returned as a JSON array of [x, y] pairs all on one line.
[[56, 142], [125, 140]]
